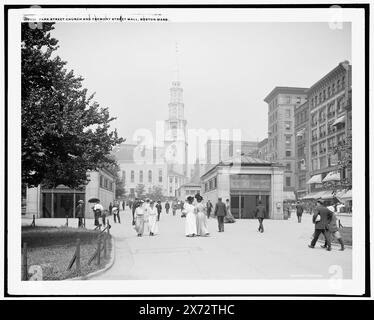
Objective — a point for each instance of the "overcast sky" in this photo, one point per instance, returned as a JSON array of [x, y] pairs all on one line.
[[226, 69]]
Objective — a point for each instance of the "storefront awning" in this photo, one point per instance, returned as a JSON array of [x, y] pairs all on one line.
[[288, 195], [344, 195], [325, 195], [313, 195], [315, 179], [339, 120], [332, 176]]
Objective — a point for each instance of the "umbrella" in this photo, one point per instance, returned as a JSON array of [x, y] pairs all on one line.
[[94, 200]]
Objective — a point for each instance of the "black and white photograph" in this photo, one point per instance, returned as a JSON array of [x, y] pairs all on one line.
[[186, 151]]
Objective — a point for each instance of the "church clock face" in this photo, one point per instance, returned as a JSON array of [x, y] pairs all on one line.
[[171, 153]]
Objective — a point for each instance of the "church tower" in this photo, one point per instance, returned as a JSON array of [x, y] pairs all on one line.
[[176, 132]]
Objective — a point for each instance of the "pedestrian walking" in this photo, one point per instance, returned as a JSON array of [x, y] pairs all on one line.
[[104, 214], [220, 212], [146, 215], [139, 218], [167, 206], [98, 211], [189, 211], [123, 205], [134, 206], [209, 208], [260, 215], [110, 207], [334, 232], [79, 213], [116, 213], [201, 218], [321, 218], [174, 207], [299, 211], [159, 209], [229, 218], [152, 219]]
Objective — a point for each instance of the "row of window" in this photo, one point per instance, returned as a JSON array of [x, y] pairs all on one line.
[[210, 184], [106, 183], [328, 112], [141, 176], [326, 93], [326, 145]]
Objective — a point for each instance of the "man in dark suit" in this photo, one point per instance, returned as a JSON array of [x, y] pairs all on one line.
[[134, 206], [299, 211], [321, 218], [209, 208], [220, 212], [159, 209], [260, 215]]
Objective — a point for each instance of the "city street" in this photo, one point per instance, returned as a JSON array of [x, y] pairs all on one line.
[[240, 252]]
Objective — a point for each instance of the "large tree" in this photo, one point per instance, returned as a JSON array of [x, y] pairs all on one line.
[[64, 132]]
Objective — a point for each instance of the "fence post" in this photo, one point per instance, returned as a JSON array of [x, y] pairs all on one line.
[[78, 256], [24, 262], [98, 250]]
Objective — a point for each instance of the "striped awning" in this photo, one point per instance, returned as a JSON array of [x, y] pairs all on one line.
[[332, 176], [339, 120], [315, 179]]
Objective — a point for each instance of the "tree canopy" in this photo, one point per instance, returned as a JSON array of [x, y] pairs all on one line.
[[64, 132]]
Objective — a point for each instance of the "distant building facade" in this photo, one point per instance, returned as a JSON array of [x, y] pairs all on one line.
[[330, 123], [262, 149], [302, 146], [246, 181], [188, 189], [220, 150], [61, 202], [282, 102]]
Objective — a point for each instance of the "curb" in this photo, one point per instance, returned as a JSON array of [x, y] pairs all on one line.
[[106, 268]]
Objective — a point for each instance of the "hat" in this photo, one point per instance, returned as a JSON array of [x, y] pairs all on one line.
[[198, 197], [320, 201], [80, 201], [189, 198]]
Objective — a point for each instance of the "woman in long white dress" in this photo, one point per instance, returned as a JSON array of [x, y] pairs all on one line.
[[152, 219], [229, 218], [201, 218], [146, 207], [189, 211], [139, 218]]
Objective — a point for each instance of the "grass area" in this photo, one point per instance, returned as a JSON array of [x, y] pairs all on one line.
[[52, 249], [346, 234]]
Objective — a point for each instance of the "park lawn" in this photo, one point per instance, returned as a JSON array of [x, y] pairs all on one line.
[[345, 232], [53, 248]]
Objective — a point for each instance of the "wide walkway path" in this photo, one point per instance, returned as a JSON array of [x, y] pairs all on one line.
[[241, 252]]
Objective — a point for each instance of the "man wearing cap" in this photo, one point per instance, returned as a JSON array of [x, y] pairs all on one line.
[[134, 206], [79, 213], [321, 218], [220, 212]]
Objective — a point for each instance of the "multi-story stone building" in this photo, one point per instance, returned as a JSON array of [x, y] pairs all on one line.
[[262, 149], [330, 123], [220, 150], [282, 102], [302, 145]]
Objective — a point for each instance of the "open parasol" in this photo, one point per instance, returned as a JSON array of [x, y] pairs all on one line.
[[94, 200]]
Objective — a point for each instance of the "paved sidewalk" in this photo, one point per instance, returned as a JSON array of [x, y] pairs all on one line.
[[239, 253]]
